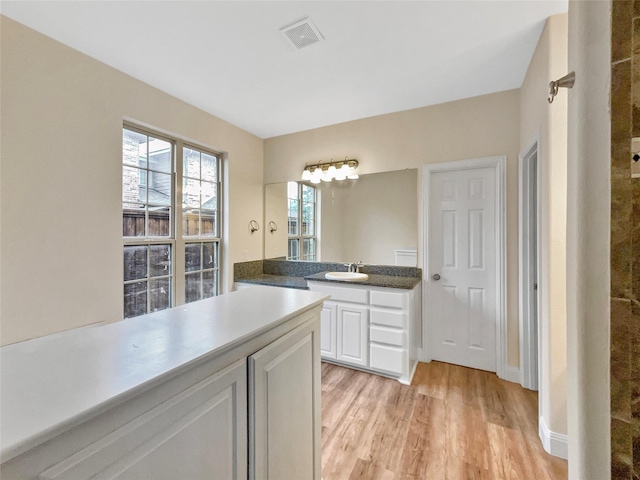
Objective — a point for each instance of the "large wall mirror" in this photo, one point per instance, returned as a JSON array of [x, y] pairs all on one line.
[[367, 219]]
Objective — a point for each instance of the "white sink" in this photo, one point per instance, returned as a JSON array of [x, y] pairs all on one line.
[[346, 276]]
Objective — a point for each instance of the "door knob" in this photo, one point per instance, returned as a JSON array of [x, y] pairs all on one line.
[[436, 277]]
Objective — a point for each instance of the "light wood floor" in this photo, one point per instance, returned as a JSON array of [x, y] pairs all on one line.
[[451, 423]]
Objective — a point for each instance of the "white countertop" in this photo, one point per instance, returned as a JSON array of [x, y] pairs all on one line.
[[48, 383]]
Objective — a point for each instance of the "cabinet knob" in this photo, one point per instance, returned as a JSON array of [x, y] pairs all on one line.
[[436, 277]]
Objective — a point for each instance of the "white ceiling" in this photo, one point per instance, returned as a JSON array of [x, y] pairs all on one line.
[[229, 59]]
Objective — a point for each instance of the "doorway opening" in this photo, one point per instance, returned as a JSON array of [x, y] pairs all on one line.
[[529, 268]]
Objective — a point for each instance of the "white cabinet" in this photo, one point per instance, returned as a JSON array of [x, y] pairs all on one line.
[[353, 334], [377, 328], [285, 407], [328, 330], [238, 395], [205, 427]]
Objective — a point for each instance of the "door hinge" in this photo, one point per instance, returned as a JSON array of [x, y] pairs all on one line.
[[535, 286]]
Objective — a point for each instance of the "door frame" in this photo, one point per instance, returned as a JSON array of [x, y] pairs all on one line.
[[529, 330], [499, 165]]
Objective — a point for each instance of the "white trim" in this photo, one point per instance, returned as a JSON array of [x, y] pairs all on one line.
[[554, 443], [529, 346], [499, 164], [513, 374]]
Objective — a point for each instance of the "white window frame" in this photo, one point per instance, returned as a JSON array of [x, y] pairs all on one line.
[[300, 236], [176, 239], [200, 239]]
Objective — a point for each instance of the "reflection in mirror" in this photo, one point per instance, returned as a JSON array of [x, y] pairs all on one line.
[[368, 219]]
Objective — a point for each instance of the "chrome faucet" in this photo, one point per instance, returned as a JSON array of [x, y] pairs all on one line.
[[355, 266]]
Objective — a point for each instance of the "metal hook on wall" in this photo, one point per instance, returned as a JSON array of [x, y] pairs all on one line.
[[273, 227], [254, 226], [565, 82]]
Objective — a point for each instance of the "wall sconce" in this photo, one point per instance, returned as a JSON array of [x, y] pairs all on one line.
[[325, 172]]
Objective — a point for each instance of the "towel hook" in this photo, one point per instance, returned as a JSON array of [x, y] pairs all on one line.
[[565, 82], [273, 227], [254, 226]]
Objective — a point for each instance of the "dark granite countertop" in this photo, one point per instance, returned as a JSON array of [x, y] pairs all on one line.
[[374, 280], [276, 281]]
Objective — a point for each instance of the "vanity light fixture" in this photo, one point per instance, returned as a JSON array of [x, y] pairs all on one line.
[[328, 171]]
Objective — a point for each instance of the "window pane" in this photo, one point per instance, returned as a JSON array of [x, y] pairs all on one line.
[[160, 294], [208, 284], [160, 260], [308, 194], [190, 163], [209, 255], [159, 189], [135, 262], [192, 287], [134, 185], [159, 221], [134, 148], [307, 218], [135, 299], [208, 224], [192, 257], [294, 249], [293, 217], [208, 194], [159, 155], [309, 249], [190, 223], [209, 168], [190, 193], [133, 220]]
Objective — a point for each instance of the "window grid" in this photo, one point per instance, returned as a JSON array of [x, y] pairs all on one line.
[[302, 225], [154, 207]]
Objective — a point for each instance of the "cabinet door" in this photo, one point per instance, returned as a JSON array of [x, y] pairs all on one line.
[[284, 406], [328, 330], [353, 335], [200, 433]]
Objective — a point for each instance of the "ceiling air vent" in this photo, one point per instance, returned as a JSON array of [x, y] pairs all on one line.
[[302, 33]]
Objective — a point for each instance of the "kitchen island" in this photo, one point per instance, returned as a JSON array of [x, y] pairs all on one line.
[[228, 387]]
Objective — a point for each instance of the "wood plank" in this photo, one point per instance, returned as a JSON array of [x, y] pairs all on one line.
[[451, 423]]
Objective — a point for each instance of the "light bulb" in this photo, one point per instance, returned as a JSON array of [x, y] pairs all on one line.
[[306, 175], [332, 169], [340, 176], [345, 168], [315, 180], [317, 172], [326, 178], [353, 177]]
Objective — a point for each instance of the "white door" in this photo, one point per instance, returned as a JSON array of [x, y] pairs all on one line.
[[462, 294], [353, 338]]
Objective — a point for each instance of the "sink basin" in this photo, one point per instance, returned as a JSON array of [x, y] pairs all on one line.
[[346, 276]]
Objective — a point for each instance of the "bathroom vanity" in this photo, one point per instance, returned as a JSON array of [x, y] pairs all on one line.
[[227, 387], [371, 327]]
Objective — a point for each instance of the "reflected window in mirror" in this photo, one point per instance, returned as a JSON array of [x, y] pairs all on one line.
[[302, 221]]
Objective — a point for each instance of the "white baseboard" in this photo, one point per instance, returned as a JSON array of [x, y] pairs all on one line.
[[554, 443], [513, 374]]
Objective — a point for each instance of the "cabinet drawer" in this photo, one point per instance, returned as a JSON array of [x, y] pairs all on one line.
[[381, 298], [342, 294], [388, 318], [390, 336], [388, 359]]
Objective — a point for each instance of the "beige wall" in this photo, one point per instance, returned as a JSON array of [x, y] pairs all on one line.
[[476, 127], [588, 241], [548, 123], [62, 115], [367, 219], [276, 210]]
